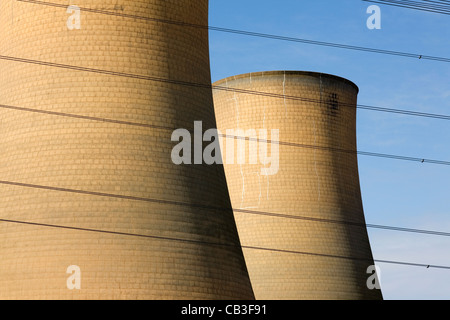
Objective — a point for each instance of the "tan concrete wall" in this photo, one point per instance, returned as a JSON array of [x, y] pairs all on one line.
[[95, 156], [314, 183]]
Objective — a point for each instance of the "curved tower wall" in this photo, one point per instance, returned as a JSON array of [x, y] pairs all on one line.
[[314, 183], [68, 167]]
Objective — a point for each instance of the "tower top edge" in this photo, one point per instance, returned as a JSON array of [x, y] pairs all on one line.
[[282, 73]]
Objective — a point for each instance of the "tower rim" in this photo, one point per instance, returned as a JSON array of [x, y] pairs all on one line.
[[285, 72]]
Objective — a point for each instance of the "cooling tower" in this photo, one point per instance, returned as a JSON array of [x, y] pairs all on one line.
[[291, 189], [96, 208]]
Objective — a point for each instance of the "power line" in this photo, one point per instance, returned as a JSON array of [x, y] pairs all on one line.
[[209, 86], [283, 143], [358, 106], [252, 34], [222, 88], [441, 9], [216, 244], [223, 209], [84, 117], [333, 149], [438, 7], [434, 5], [356, 224]]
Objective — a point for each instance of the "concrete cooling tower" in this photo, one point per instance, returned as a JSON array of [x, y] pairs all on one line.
[[92, 205], [287, 195]]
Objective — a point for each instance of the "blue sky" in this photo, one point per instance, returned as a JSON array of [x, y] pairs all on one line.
[[397, 193]]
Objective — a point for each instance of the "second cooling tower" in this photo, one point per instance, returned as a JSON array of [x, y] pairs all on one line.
[[294, 185]]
